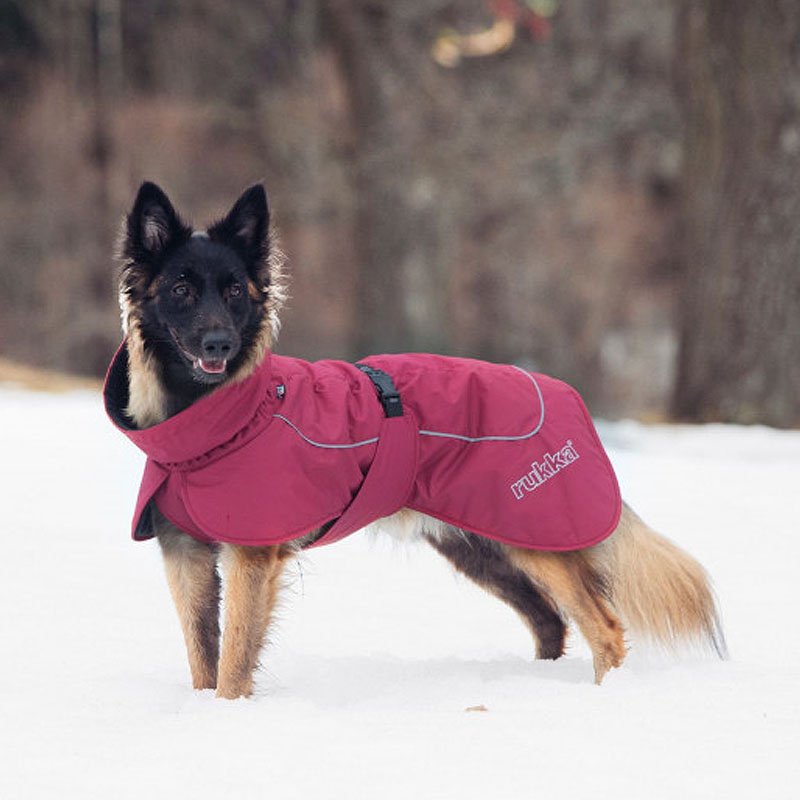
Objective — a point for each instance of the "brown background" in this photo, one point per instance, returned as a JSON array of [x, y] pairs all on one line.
[[615, 202]]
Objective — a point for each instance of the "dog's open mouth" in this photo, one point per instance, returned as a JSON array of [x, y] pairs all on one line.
[[216, 367], [211, 367]]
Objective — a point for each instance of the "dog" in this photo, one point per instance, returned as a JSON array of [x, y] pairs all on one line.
[[200, 314]]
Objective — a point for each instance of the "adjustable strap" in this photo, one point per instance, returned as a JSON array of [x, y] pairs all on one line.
[[387, 391], [388, 483], [391, 475]]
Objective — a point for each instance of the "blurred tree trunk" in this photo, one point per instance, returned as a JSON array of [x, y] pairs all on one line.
[[400, 281], [105, 36], [740, 311]]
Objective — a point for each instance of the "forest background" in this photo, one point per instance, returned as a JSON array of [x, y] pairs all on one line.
[[604, 190]]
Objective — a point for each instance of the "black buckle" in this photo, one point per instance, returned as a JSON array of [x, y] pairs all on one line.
[[387, 391]]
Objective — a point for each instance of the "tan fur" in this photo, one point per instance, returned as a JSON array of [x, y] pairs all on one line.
[[147, 401], [660, 591], [657, 589], [277, 294], [252, 580], [407, 525], [191, 569], [257, 354], [567, 578]]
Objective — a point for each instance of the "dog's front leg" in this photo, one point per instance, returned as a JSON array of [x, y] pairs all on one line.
[[252, 579], [191, 568]]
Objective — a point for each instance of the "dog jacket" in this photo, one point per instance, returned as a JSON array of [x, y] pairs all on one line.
[[299, 446]]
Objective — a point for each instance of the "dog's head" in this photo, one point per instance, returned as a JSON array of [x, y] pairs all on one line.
[[201, 306]]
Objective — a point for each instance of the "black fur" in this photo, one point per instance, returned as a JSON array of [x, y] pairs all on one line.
[[246, 230], [199, 300], [152, 231], [179, 290], [485, 562]]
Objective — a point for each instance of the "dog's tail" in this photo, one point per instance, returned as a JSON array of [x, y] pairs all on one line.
[[660, 592]]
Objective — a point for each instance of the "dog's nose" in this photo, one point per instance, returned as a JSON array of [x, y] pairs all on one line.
[[216, 345]]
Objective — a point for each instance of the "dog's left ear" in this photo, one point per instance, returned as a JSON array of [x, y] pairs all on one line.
[[153, 226], [150, 230], [246, 229]]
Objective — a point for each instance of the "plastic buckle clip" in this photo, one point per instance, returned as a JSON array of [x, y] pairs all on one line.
[[387, 391]]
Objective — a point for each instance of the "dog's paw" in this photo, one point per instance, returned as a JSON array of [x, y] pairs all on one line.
[[610, 655], [234, 690]]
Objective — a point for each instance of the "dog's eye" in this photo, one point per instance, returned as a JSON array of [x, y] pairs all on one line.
[[181, 289], [235, 290]]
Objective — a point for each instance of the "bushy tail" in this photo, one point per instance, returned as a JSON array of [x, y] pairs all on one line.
[[659, 591]]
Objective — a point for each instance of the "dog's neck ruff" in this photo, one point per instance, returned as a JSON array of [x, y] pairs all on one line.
[[298, 446]]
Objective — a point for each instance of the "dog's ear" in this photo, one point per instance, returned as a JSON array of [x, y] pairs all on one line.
[[246, 229], [152, 226]]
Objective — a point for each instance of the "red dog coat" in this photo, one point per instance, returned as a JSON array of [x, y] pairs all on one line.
[[489, 448]]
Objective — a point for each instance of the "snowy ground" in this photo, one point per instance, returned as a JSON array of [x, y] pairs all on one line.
[[380, 650]]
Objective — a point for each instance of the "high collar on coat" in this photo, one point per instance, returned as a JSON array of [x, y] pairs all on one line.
[[210, 422]]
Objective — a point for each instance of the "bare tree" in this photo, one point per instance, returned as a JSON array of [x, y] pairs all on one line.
[[401, 269], [740, 310]]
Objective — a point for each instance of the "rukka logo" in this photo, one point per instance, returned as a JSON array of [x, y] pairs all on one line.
[[543, 470]]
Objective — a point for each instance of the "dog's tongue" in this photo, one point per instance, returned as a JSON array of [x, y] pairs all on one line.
[[213, 367]]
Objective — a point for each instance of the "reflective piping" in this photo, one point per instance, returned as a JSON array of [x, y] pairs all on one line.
[[440, 434], [323, 444], [498, 438]]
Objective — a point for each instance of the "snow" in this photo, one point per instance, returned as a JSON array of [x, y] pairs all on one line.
[[380, 650]]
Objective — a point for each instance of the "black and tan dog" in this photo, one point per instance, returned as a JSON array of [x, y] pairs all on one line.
[[200, 310]]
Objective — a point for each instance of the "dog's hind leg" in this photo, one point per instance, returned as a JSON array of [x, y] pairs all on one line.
[[486, 562], [191, 568], [252, 579], [578, 590]]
